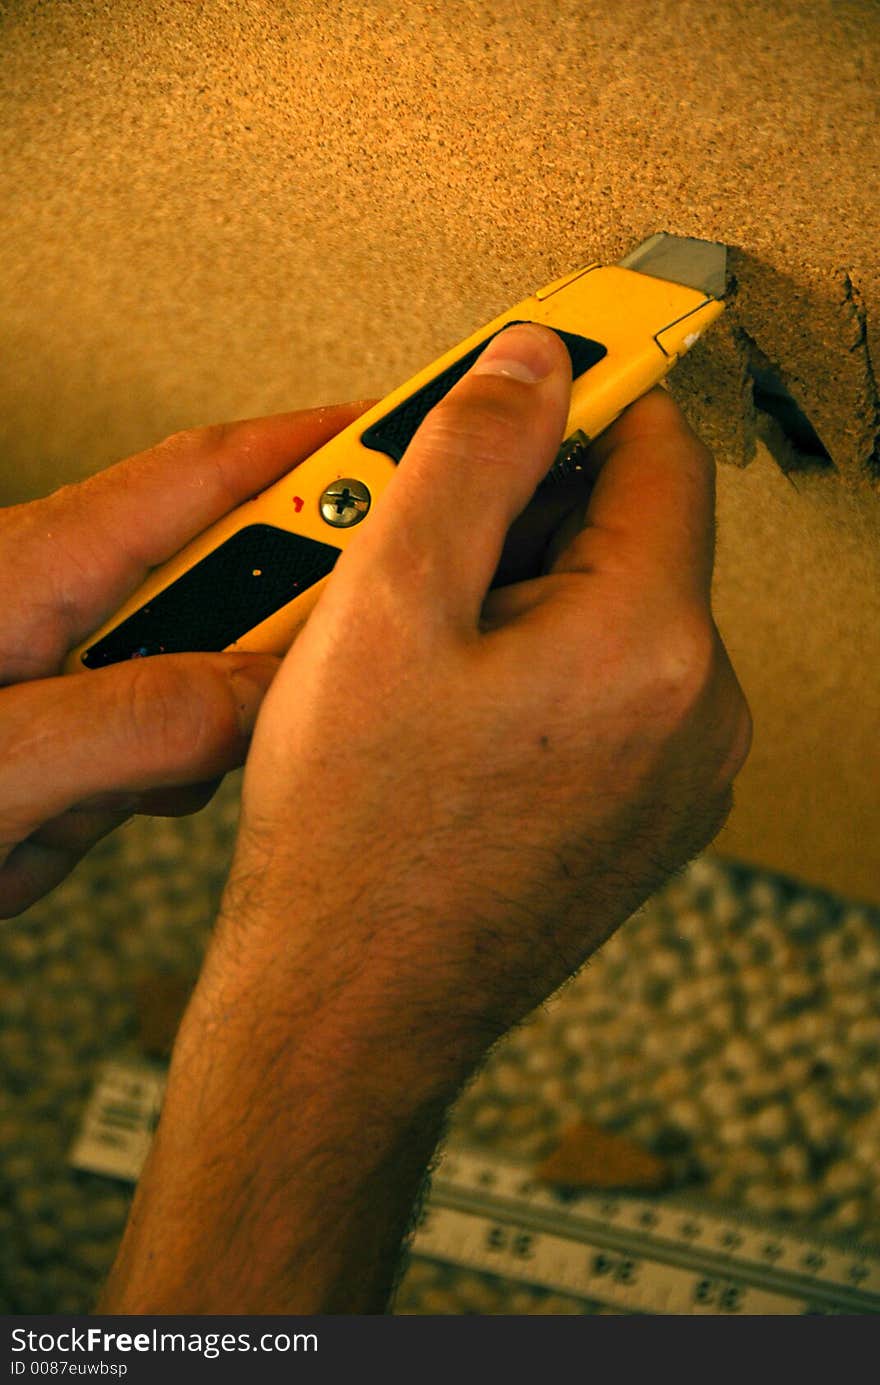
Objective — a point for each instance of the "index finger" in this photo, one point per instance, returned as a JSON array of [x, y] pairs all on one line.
[[105, 533], [652, 508]]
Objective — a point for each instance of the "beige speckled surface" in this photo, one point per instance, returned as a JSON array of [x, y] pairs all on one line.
[[216, 210]]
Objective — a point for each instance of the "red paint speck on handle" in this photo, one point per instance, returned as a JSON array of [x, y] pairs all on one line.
[[298, 503]]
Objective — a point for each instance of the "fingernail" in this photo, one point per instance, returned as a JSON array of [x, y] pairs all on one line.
[[526, 352], [250, 683]]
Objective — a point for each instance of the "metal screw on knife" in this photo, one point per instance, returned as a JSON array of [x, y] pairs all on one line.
[[344, 502]]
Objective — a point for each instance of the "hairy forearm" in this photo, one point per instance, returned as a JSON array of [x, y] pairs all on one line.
[[291, 1151]]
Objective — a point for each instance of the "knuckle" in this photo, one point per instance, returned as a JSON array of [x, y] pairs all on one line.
[[695, 690], [245, 436], [478, 422], [203, 438], [217, 444], [212, 443], [176, 717], [683, 666], [152, 716]]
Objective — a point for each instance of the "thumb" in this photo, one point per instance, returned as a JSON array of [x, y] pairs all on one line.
[[470, 469], [132, 727]]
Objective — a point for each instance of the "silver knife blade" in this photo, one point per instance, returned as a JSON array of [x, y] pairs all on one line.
[[697, 264]]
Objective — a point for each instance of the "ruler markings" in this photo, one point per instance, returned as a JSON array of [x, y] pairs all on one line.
[[671, 1232], [680, 1221], [650, 1254], [598, 1240], [119, 1120], [586, 1270]]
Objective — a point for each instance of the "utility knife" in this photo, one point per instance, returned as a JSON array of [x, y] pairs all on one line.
[[250, 581]]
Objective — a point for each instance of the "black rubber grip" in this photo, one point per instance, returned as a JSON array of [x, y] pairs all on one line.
[[393, 433], [248, 578]]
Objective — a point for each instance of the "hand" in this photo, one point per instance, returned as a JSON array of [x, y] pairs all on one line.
[[452, 796], [78, 755]]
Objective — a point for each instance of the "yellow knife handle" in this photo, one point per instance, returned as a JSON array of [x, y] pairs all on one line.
[[250, 581]]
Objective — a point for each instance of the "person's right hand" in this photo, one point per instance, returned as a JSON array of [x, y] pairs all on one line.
[[454, 794]]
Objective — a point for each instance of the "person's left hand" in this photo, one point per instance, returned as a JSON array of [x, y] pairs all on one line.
[[80, 754]]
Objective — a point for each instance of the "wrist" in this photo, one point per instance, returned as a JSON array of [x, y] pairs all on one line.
[[355, 999], [298, 1123]]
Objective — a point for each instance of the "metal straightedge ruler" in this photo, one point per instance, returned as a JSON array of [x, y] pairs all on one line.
[[656, 1253]]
